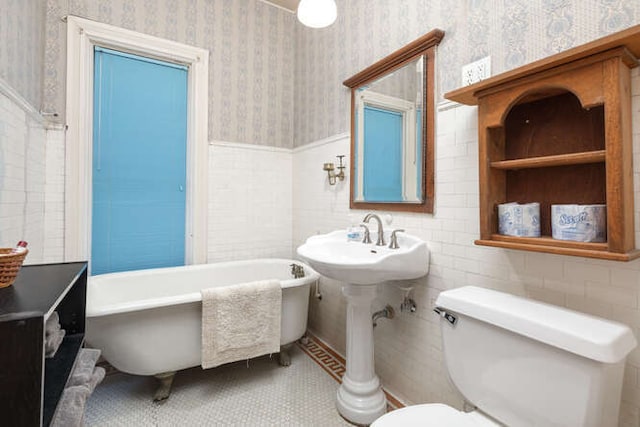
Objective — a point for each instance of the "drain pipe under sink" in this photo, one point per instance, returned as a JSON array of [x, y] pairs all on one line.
[[387, 312]]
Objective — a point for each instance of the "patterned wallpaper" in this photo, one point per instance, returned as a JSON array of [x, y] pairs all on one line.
[[513, 32], [274, 82], [251, 57], [22, 47]]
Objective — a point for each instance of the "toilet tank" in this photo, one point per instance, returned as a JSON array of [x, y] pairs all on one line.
[[527, 363]]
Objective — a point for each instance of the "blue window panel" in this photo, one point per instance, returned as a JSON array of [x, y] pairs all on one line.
[[139, 163], [382, 175]]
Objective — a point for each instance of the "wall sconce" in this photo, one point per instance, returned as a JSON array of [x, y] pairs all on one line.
[[330, 171]]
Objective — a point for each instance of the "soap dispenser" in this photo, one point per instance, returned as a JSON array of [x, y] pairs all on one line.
[[354, 232]]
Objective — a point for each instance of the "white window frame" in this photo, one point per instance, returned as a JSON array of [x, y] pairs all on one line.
[[409, 153], [82, 36]]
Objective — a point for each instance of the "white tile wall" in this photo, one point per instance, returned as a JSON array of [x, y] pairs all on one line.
[[318, 206], [250, 201], [22, 167], [408, 351], [54, 197], [34, 190]]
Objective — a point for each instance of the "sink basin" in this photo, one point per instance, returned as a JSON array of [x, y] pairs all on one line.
[[365, 264]]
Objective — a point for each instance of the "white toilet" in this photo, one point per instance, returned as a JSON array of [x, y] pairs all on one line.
[[524, 363]]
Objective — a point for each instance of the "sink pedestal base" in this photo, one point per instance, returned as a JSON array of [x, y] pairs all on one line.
[[360, 397]]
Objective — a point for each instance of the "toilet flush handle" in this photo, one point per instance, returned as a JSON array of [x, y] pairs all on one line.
[[447, 316]]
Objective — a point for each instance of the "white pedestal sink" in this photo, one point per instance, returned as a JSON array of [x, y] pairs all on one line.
[[361, 266]]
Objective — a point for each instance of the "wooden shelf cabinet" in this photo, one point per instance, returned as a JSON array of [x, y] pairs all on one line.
[[30, 384], [597, 156], [558, 131]]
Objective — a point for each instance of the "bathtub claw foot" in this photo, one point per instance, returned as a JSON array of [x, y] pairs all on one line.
[[164, 389], [284, 359]]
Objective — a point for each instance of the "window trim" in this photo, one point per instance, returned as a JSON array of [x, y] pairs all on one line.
[[408, 111], [82, 36]]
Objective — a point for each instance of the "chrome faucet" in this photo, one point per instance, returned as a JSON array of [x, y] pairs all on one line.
[[380, 241], [394, 239], [367, 236]]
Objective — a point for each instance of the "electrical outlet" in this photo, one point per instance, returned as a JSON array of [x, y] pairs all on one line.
[[476, 71]]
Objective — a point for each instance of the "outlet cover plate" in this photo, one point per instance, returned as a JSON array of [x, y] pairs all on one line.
[[476, 71]]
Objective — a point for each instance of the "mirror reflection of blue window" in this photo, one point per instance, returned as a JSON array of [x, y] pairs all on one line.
[[382, 173]]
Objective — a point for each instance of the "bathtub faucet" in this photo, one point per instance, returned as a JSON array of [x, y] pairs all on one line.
[[380, 241], [297, 271]]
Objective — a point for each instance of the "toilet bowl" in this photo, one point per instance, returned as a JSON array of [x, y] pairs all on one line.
[[435, 414], [517, 360]]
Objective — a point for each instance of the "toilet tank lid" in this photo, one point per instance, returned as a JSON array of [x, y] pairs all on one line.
[[588, 336]]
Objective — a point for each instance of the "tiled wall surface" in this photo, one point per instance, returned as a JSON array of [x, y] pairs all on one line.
[[249, 202], [317, 208], [408, 350], [22, 188], [54, 197]]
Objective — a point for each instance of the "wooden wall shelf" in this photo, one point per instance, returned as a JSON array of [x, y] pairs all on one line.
[[549, 161], [559, 131]]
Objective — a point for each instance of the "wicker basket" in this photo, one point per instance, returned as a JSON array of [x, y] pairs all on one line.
[[10, 264]]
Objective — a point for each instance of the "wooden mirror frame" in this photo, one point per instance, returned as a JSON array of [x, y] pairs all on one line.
[[424, 46]]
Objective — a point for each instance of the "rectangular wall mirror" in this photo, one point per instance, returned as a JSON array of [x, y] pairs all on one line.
[[392, 130]]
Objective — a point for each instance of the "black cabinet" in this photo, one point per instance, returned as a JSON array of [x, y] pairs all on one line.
[[30, 384]]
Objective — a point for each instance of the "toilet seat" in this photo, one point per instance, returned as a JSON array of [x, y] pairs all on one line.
[[435, 414]]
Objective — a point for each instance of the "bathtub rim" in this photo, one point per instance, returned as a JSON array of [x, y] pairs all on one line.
[[151, 303]]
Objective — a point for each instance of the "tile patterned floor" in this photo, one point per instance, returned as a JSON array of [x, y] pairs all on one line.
[[324, 356], [260, 394]]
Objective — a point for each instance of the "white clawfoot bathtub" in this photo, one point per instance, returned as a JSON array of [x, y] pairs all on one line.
[[148, 322]]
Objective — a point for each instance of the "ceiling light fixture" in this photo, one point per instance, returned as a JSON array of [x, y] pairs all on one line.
[[317, 13]]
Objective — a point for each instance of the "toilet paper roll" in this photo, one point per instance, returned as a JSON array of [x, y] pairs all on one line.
[[580, 223], [522, 220]]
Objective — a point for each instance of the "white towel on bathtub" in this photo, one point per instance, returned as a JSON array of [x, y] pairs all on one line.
[[240, 322]]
